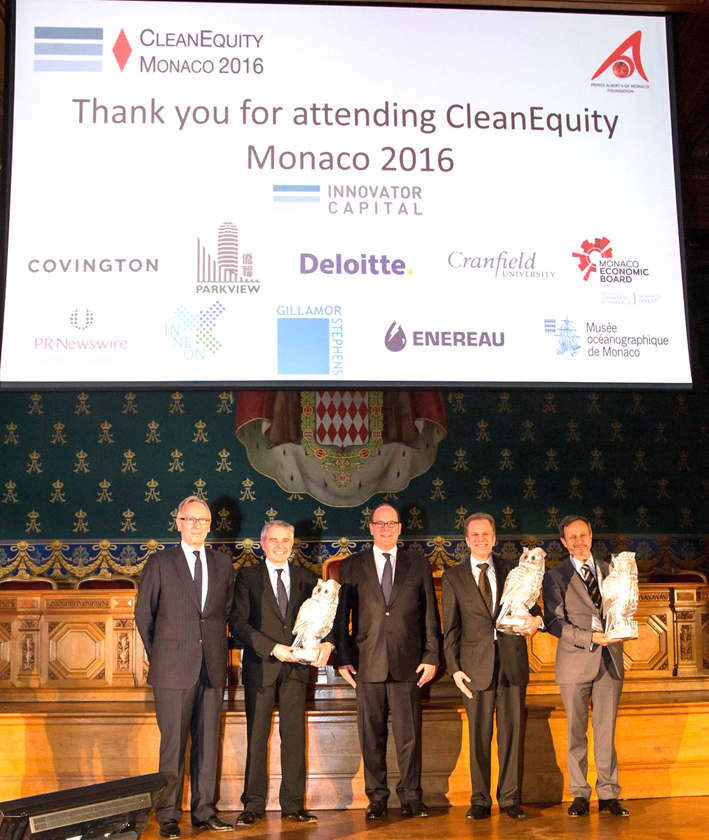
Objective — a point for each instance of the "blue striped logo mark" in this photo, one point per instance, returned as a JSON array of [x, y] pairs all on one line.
[[296, 193], [69, 49]]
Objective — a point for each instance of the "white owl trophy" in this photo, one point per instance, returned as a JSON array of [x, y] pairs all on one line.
[[620, 596], [315, 619], [521, 590]]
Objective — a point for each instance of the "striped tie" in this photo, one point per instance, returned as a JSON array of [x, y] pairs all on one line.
[[592, 585]]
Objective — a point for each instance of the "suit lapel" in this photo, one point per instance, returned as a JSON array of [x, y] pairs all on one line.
[[467, 581], [183, 570], [500, 578], [369, 568]]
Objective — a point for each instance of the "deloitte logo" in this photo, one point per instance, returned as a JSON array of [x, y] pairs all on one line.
[[364, 264]]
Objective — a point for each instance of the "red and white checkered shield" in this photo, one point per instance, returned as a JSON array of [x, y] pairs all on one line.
[[342, 418]]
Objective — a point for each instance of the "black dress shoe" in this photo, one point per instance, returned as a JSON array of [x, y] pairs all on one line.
[[213, 823], [477, 812], [514, 812], [579, 807], [414, 809], [170, 829], [301, 816], [248, 818], [375, 811], [614, 807]]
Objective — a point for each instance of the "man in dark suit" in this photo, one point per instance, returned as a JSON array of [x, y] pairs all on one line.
[[267, 598], [589, 666], [181, 611], [491, 669], [388, 599]]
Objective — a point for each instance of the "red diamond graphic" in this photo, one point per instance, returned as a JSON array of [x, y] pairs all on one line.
[[122, 50]]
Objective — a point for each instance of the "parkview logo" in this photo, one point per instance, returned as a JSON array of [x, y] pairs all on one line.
[[624, 65]]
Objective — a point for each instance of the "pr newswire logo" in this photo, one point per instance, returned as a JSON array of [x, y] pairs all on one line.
[[80, 318], [395, 338], [597, 258], [75, 49], [625, 63]]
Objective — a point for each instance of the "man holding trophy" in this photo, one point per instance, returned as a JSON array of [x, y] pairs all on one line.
[[589, 661], [267, 600], [488, 660]]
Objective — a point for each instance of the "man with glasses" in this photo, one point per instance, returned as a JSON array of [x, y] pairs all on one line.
[[183, 603], [388, 646], [267, 598]]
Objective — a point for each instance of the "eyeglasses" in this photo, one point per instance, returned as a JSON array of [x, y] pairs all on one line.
[[391, 524], [191, 520]]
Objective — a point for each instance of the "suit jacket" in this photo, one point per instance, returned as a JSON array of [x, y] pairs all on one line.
[[393, 639], [256, 622], [468, 627], [569, 613], [174, 630]]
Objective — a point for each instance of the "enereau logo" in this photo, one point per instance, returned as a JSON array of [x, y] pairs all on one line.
[[624, 62], [395, 338]]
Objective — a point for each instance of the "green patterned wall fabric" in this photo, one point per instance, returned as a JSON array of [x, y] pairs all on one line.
[[82, 467]]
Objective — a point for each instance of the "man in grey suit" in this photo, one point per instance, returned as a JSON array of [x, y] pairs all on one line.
[[181, 612], [393, 649], [589, 666], [491, 669], [267, 598]]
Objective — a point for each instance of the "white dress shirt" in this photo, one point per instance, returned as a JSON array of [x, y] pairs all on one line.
[[189, 551], [380, 560]]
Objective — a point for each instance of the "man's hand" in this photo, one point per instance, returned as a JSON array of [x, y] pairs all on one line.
[[532, 623], [284, 653], [460, 678], [324, 650], [603, 639], [347, 673], [428, 672]]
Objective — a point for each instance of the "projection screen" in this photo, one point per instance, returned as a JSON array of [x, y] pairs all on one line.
[[286, 194]]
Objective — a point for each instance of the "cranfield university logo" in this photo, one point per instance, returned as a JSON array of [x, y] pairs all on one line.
[[231, 272], [75, 49], [625, 62], [597, 258]]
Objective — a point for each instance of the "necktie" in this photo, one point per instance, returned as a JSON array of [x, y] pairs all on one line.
[[387, 578], [484, 586], [198, 576], [281, 594], [592, 585]]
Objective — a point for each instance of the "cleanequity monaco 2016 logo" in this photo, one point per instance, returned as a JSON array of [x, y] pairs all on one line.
[[626, 65], [76, 49]]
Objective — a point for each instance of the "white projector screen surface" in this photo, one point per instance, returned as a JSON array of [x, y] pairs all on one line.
[[264, 194]]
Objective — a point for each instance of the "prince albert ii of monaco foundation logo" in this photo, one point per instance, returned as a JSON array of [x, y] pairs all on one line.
[[625, 60]]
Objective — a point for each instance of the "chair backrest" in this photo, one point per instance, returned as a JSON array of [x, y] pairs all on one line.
[[107, 583], [684, 576], [33, 583], [331, 567]]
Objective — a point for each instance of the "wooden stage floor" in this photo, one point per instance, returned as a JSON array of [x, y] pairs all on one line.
[[679, 818]]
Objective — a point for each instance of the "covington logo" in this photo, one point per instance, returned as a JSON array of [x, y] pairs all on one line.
[[624, 66]]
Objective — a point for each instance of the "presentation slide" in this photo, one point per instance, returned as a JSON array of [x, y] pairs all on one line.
[[257, 194]]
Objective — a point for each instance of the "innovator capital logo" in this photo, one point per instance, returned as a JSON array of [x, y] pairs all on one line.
[[75, 49], [624, 65], [591, 253]]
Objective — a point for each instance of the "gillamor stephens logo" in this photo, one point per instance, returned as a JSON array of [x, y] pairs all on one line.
[[624, 65]]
